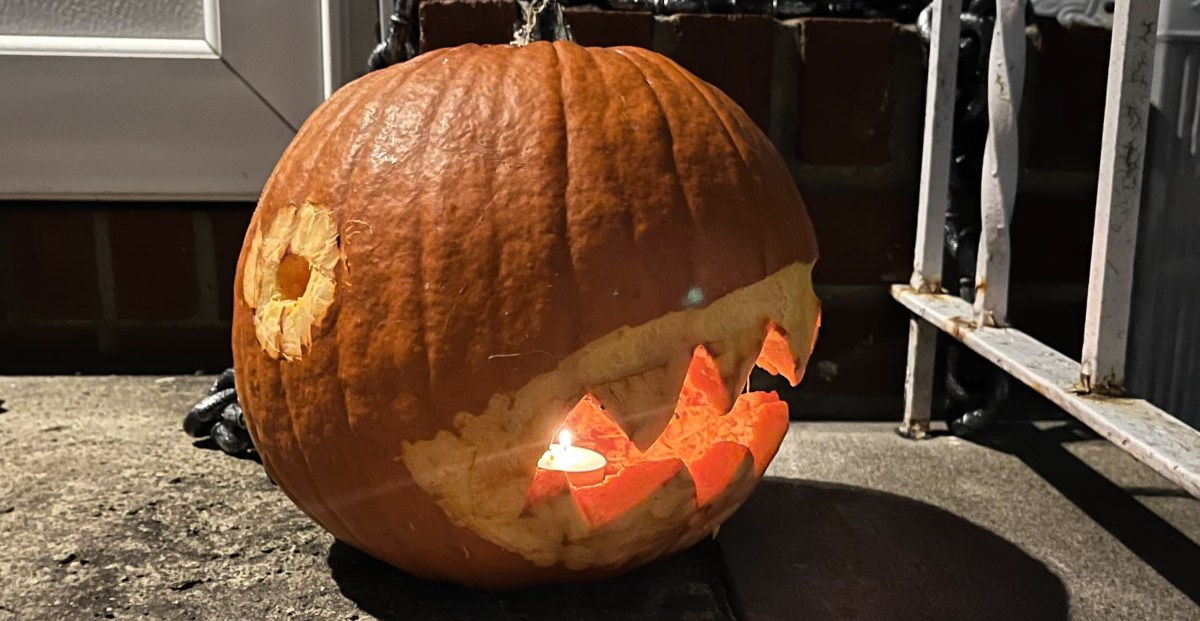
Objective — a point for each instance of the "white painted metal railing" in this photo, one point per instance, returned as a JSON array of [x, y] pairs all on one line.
[[1090, 389]]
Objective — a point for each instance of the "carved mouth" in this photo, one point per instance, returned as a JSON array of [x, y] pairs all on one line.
[[662, 401], [707, 441]]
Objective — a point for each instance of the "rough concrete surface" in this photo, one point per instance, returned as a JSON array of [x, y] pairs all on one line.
[[107, 510]]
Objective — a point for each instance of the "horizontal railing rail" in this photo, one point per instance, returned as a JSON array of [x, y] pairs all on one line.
[[1091, 389]]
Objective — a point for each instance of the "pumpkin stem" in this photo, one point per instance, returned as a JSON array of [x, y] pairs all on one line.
[[544, 21]]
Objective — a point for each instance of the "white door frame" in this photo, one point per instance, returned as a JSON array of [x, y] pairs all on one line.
[[130, 118]]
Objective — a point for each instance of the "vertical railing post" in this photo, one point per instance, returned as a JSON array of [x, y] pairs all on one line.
[[931, 211], [1118, 196], [1001, 162]]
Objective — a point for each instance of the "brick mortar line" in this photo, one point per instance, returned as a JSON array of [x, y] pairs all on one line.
[[106, 281], [8, 284], [208, 300], [784, 96]]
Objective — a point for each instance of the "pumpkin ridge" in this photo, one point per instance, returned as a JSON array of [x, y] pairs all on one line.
[[288, 370], [492, 261], [433, 110], [337, 524], [710, 279], [367, 122], [385, 476], [342, 107], [629, 223], [564, 225], [260, 433], [693, 263], [493, 309], [534, 257], [361, 136], [419, 257], [370, 134], [626, 215], [665, 65]]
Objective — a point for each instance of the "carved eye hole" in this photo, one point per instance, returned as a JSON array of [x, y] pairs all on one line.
[[289, 277], [292, 277]]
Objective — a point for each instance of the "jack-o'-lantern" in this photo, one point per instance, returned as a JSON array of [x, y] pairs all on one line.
[[470, 256]]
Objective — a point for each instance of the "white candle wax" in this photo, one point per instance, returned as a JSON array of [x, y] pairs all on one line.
[[586, 464]]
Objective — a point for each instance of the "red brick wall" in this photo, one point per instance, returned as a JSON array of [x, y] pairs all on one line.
[[103, 287], [106, 288]]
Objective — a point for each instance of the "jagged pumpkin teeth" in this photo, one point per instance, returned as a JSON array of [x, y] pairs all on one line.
[[540, 238], [623, 492], [594, 429], [716, 470], [714, 447], [758, 421], [546, 484], [642, 404], [776, 355], [703, 387], [735, 367]]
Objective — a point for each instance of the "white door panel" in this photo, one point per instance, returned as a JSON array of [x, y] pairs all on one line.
[[153, 19], [123, 111]]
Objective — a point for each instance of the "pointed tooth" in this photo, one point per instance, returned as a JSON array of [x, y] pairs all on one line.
[[651, 490], [758, 421], [724, 469], [643, 404], [546, 486], [701, 403], [724, 480], [776, 355], [704, 387], [735, 366], [594, 429], [551, 501]]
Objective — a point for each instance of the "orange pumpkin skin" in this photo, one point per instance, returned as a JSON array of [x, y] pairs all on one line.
[[457, 250]]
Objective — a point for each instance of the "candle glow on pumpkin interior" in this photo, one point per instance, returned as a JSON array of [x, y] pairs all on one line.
[[714, 441]]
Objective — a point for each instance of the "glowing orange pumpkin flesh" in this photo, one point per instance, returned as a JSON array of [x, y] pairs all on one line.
[[703, 439]]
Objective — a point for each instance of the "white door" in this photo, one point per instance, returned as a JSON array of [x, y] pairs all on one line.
[[135, 99]]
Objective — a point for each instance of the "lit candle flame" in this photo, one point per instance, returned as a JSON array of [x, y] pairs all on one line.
[[560, 449], [582, 466]]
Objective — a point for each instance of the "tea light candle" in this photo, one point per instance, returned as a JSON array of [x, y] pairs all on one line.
[[582, 466]]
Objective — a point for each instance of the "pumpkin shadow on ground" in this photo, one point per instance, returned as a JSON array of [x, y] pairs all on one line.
[[687, 586], [796, 550], [811, 550]]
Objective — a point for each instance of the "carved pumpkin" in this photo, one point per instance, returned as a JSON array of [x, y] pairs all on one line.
[[462, 255]]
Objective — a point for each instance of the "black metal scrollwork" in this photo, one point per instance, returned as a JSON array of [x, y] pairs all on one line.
[[974, 388], [400, 42]]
